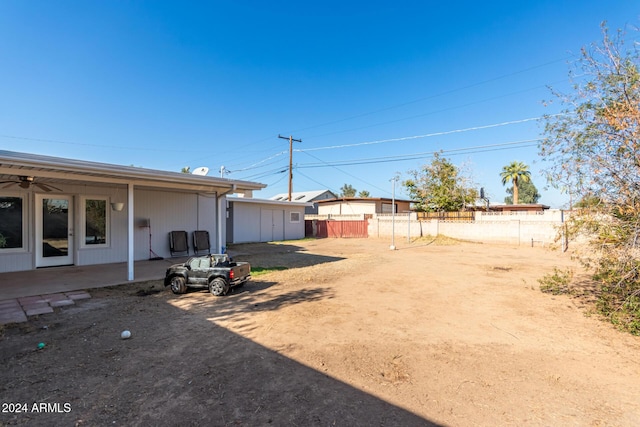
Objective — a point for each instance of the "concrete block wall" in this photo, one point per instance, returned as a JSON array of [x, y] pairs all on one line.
[[509, 229]]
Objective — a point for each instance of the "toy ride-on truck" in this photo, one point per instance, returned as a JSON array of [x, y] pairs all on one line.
[[216, 272]]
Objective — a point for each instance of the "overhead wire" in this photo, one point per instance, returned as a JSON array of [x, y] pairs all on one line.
[[344, 172], [416, 156], [448, 92], [428, 135]]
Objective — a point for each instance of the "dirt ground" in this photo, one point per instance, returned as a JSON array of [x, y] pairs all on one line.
[[435, 333]]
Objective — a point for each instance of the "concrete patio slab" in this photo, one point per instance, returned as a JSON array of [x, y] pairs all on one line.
[[44, 281]]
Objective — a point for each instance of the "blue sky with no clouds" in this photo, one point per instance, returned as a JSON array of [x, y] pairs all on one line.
[[372, 88]]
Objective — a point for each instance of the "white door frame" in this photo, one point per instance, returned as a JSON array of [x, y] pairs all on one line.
[[48, 260]]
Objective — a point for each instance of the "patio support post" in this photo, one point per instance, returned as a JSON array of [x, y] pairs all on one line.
[[221, 223], [130, 231]]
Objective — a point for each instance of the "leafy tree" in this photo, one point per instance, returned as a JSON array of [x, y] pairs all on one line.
[[440, 186], [588, 201], [347, 191], [515, 172], [364, 194], [186, 169], [593, 148], [527, 193]]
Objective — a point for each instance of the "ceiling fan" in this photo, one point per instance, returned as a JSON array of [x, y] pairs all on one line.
[[27, 181]]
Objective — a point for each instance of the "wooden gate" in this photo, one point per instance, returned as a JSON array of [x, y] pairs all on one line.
[[338, 229]]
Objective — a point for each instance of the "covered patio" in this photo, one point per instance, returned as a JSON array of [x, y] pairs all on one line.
[[62, 212]]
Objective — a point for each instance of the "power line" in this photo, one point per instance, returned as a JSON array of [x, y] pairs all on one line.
[[448, 92], [344, 172], [405, 138], [415, 156], [317, 182]]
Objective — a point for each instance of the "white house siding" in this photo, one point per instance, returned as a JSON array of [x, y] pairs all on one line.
[[264, 222], [167, 211], [246, 223], [347, 208]]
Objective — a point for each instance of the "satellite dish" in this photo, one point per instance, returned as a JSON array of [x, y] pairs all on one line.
[[202, 170]]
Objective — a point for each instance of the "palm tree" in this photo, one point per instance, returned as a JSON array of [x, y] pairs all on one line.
[[514, 172]]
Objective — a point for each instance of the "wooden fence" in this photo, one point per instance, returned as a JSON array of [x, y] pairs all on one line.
[[458, 216], [336, 229]]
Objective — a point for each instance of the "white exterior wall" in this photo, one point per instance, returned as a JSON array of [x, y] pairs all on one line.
[[170, 211], [347, 208], [254, 222], [115, 251], [543, 229], [246, 222], [167, 211]]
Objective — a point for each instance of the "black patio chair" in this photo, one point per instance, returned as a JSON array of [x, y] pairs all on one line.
[[178, 242], [201, 241]]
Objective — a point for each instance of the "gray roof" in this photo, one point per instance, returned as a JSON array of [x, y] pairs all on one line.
[[268, 201], [302, 196], [57, 169]]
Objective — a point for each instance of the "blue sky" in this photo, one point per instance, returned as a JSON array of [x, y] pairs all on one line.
[[372, 88]]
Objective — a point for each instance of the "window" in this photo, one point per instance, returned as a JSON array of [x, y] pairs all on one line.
[[294, 217], [96, 221], [388, 208], [11, 223]]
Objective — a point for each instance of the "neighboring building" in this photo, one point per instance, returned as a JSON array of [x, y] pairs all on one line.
[[306, 197], [356, 205], [259, 220], [531, 207], [56, 211]]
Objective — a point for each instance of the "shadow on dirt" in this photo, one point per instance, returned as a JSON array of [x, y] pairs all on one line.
[[179, 368], [246, 300], [277, 254]]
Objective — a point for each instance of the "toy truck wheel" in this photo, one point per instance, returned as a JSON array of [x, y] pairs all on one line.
[[218, 287], [178, 285]]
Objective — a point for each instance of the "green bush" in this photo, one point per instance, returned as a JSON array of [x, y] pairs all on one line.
[[557, 283]]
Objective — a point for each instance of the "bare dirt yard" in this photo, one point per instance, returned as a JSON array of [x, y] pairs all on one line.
[[435, 333]]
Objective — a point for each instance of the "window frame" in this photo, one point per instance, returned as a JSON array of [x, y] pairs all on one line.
[[291, 217], [25, 201], [83, 222]]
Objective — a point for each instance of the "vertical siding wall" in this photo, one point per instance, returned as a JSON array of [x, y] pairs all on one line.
[[250, 220], [166, 211], [170, 211]]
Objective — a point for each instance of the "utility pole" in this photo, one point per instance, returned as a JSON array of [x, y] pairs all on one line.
[[393, 214], [290, 138]]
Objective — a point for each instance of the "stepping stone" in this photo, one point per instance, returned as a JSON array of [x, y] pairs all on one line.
[[34, 309], [58, 300], [78, 295], [12, 317], [61, 303], [9, 303], [31, 300]]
